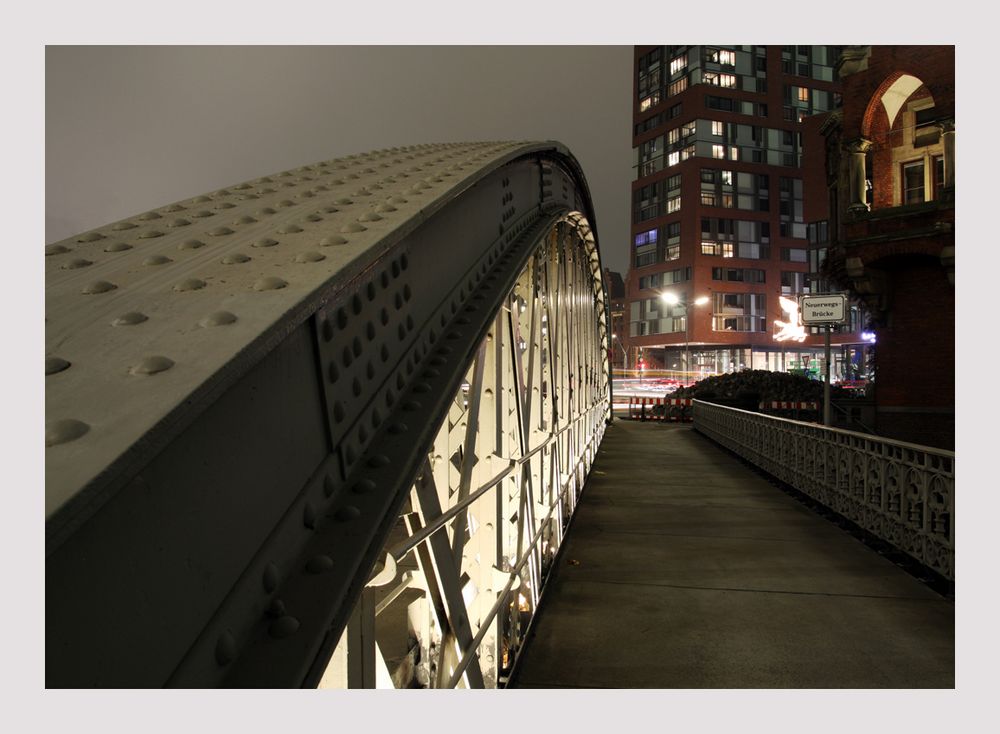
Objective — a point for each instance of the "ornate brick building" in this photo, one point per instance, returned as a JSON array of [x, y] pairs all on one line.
[[891, 176]]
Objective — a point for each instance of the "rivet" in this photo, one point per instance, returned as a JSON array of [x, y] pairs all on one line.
[[398, 427], [333, 372], [341, 318], [202, 213], [309, 257], [309, 516], [338, 411], [201, 199], [245, 219], [219, 318], [369, 217], [385, 207], [328, 486], [319, 564], [353, 227], [348, 357], [347, 513], [356, 304], [378, 460], [76, 263], [289, 229], [122, 226], [343, 201], [90, 237], [130, 319], [335, 240], [397, 200], [242, 187], [179, 222], [421, 387], [191, 284], [55, 364], [265, 242], [411, 405], [152, 365], [362, 192], [313, 218], [266, 212], [235, 259], [55, 250], [157, 260], [284, 627], [220, 231], [364, 486], [226, 205], [98, 286], [327, 329], [63, 431], [270, 283], [117, 247], [174, 208], [225, 648], [356, 387]]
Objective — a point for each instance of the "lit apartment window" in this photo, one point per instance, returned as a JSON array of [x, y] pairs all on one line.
[[711, 248], [718, 151], [734, 153], [727, 201], [727, 80], [717, 127], [677, 64], [678, 86], [688, 128], [727, 58], [673, 158], [687, 152], [708, 198], [727, 177], [673, 252], [674, 136], [913, 182], [803, 93], [645, 238], [673, 205], [649, 101], [727, 249]]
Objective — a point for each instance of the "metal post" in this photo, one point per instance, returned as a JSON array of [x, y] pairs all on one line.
[[826, 382], [687, 339]]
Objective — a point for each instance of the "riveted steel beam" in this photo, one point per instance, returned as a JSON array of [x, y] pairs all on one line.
[[236, 413]]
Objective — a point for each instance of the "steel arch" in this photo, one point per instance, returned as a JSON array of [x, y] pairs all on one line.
[[241, 388]]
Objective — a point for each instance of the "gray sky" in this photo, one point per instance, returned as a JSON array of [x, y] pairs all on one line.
[[129, 128]]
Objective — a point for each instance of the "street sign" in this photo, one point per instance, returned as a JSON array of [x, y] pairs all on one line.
[[823, 309]]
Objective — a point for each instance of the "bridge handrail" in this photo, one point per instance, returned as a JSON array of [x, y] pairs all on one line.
[[901, 492]]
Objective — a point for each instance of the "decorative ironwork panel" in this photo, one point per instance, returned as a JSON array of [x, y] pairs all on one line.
[[902, 493]]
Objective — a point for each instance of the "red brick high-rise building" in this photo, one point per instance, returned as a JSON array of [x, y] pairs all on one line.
[[720, 246]]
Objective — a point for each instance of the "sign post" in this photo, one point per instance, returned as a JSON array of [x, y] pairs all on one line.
[[824, 310]]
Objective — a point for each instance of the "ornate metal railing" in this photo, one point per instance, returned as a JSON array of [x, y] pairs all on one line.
[[901, 492]]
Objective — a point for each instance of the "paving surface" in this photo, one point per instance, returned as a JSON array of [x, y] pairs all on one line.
[[685, 569]]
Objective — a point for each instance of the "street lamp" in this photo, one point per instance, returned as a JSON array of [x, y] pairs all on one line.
[[674, 300], [614, 338]]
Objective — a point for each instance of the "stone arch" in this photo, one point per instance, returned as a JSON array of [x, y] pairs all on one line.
[[892, 94]]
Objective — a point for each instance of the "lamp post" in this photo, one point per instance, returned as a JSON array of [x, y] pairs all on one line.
[[614, 339], [673, 299]]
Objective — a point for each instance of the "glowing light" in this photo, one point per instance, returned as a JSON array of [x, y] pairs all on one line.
[[670, 298], [868, 336], [522, 603], [791, 330]]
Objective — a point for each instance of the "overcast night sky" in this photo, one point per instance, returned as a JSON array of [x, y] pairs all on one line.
[[129, 128]]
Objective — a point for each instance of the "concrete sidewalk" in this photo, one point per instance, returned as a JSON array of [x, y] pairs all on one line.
[[684, 569]]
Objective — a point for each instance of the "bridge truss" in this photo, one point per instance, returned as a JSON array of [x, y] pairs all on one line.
[[325, 428]]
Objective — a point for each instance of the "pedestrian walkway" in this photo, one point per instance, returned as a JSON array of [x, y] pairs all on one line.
[[685, 569]]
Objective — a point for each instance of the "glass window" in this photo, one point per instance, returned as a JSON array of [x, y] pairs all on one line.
[[718, 151], [938, 176], [913, 182], [679, 63], [717, 128]]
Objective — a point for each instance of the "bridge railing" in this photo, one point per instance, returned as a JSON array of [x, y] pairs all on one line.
[[901, 492]]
